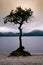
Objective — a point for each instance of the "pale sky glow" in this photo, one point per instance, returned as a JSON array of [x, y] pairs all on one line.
[[26, 29], [36, 5], [5, 29]]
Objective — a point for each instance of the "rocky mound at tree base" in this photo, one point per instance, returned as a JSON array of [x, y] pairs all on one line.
[[20, 52]]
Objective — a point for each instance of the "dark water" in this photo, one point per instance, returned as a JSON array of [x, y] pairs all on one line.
[[32, 44]]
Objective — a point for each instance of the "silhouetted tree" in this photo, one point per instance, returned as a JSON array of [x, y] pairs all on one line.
[[19, 16]]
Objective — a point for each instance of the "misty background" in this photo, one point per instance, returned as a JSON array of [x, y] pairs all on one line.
[[32, 44]]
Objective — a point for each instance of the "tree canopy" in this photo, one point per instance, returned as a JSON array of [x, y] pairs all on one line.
[[18, 16]]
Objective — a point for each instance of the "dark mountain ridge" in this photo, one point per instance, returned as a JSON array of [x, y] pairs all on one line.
[[32, 33]]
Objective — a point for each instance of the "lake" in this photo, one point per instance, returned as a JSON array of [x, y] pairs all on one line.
[[34, 44]]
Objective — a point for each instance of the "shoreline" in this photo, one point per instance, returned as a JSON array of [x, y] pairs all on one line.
[[29, 60]]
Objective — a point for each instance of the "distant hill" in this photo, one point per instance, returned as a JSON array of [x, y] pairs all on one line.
[[32, 33], [35, 33], [8, 34]]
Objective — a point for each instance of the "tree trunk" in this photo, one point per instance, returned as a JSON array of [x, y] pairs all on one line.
[[20, 39]]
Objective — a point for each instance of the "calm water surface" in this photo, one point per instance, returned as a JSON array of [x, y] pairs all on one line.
[[32, 44]]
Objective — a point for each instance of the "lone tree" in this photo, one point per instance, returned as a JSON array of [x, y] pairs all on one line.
[[19, 16]]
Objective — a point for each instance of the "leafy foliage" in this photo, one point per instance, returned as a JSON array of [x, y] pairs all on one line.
[[18, 16]]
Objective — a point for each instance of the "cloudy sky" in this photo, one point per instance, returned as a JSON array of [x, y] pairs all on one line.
[[36, 21], [32, 44]]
